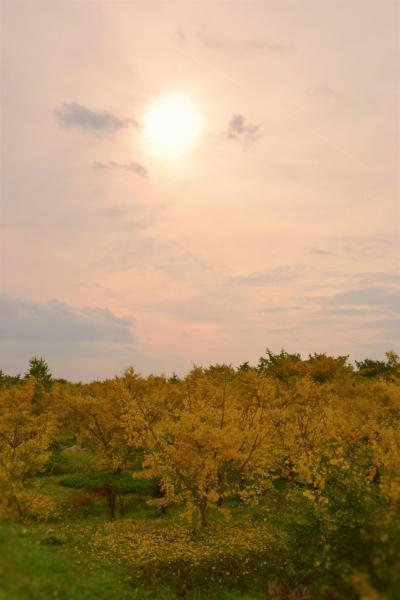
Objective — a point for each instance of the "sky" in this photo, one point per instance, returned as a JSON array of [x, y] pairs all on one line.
[[278, 228]]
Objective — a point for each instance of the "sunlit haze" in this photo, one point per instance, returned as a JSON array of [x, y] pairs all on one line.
[[193, 182], [172, 126]]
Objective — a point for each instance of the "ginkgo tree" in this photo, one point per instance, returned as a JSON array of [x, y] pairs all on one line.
[[101, 412], [25, 435], [203, 436]]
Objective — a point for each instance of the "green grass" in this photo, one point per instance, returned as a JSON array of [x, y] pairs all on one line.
[[32, 570], [60, 463], [55, 560], [38, 563]]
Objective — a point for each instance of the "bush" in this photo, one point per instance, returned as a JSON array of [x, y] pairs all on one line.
[[124, 482]]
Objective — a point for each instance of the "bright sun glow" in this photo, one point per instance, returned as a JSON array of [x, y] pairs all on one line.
[[172, 126]]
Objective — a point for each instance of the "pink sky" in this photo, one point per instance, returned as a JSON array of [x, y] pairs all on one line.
[[284, 236]]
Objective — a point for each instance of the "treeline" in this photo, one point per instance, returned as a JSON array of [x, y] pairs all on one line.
[[281, 365], [311, 446]]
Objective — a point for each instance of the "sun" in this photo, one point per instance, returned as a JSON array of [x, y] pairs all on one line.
[[172, 126]]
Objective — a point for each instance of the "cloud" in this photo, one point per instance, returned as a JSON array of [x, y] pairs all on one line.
[[245, 44], [390, 325], [372, 247], [239, 129], [341, 311], [181, 36], [275, 276], [324, 93], [279, 309], [378, 277], [320, 252], [56, 322], [131, 167], [73, 114], [363, 301], [115, 212], [382, 298]]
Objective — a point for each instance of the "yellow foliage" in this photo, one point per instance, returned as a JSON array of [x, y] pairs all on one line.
[[25, 434], [204, 436]]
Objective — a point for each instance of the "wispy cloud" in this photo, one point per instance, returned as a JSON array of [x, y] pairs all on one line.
[[181, 36], [385, 296], [346, 311], [279, 309], [375, 277], [245, 44], [320, 252], [242, 130], [380, 297], [275, 276], [390, 325], [75, 115], [324, 93], [131, 167], [371, 247]]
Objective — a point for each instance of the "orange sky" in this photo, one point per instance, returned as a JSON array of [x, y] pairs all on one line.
[[279, 228]]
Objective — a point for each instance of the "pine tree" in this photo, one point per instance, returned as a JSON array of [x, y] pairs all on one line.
[[39, 370]]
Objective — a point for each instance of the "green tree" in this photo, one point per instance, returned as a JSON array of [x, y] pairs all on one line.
[[388, 369], [7, 381], [39, 370], [282, 366]]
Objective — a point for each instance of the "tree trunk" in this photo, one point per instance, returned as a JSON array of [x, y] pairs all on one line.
[[111, 491], [121, 505], [203, 509]]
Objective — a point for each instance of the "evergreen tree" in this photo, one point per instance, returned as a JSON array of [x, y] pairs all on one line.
[[39, 370]]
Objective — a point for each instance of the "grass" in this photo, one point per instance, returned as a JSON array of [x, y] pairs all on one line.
[[61, 463], [40, 563], [55, 560], [33, 570]]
